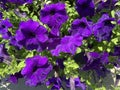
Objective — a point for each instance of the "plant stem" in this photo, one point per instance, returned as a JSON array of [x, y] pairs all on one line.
[[72, 83]]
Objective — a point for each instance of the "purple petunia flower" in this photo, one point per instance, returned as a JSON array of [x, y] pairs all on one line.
[[54, 15], [31, 35], [109, 4], [97, 61], [20, 1], [78, 83], [82, 27], [4, 25], [14, 78], [103, 28], [85, 7], [68, 44], [55, 82], [36, 70]]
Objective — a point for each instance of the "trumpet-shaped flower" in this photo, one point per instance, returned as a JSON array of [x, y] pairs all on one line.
[[54, 15], [31, 35], [36, 70]]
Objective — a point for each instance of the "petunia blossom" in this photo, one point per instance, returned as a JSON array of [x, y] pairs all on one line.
[[85, 7], [81, 27], [97, 62], [36, 70], [103, 28], [68, 44], [31, 35], [54, 15]]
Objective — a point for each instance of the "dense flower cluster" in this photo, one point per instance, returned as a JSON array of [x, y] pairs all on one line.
[[52, 38]]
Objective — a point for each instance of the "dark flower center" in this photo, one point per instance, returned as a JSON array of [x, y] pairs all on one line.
[[1, 59], [84, 5], [52, 12], [35, 68], [31, 34], [107, 23], [82, 24], [3, 26]]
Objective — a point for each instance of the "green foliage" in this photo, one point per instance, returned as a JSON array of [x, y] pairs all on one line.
[[116, 88], [72, 15], [71, 68], [12, 68], [101, 88]]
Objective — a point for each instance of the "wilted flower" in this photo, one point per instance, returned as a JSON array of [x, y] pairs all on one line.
[[3, 4], [81, 27], [109, 4], [20, 14], [31, 35], [36, 70], [54, 15], [85, 7], [116, 54], [4, 56], [78, 83], [103, 28], [55, 82], [68, 44], [97, 62]]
